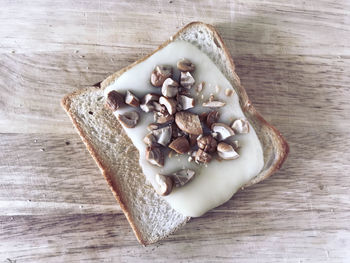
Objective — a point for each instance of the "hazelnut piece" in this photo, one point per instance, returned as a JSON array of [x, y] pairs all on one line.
[[180, 145], [182, 177], [213, 104], [131, 99], [160, 74], [170, 104], [186, 102], [212, 117], [185, 65], [223, 131], [188, 122], [147, 102], [170, 88], [150, 140], [164, 184], [129, 119], [162, 118], [163, 135], [240, 126], [193, 139], [207, 144], [202, 156], [186, 80], [114, 100], [155, 156], [226, 151]]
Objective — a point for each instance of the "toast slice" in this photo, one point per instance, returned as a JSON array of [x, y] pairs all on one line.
[[150, 217]]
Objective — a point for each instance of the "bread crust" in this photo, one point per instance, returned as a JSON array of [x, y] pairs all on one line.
[[277, 139]]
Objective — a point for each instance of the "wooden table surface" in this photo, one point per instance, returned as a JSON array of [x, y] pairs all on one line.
[[293, 57]]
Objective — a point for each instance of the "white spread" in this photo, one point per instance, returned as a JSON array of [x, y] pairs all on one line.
[[216, 182]]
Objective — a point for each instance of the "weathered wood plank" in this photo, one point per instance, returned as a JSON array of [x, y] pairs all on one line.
[[294, 59]]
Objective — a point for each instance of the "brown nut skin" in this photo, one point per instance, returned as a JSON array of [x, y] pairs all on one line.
[[193, 139], [160, 74], [115, 100], [180, 145], [207, 144], [185, 65], [188, 122], [155, 156], [202, 156], [212, 117]]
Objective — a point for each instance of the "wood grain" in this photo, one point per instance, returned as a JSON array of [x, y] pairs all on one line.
[[293, 57]]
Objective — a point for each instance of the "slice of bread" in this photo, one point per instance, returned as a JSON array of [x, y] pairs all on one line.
[[149, 215]]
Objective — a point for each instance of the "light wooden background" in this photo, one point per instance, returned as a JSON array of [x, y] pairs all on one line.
[[292, 56]]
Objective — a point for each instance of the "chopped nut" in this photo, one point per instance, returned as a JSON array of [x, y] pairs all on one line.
[[153, 126], [160, 74], [213, 104], [203, 116], [170, 104], [185, 65], [150, 140], [155, 156], [193, 139], [147, 102], [212, 117], [164, 184], [163, 135], [162, 118], [202, 156], [129, 119], [158, 107], [229, 92], [207, 144], [170, 88], [186, 102], [180, 145], [226, 151], [131, 99], [240, 126], [182, 177], [114, 100], [200, 86], [186, 80], [224, 131], [188, 122]]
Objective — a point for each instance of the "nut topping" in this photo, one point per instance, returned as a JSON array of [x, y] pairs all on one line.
[[207, 144], [162, 118], [240, 126], [229, 92], [202, 156], [185, 65], [180, 145], [147, 102], [193, 139], [186, 102], [153, 126], [150, 140], [114, 100], [164, 184], [170, 88], [155, 156], [186, 80], [131, 99], [226, 151], [170, 104], [212, 117], [129, 119], [188, 122], [213, 104], [163, 135], [223, 131], [160, 74], [182, 177]]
